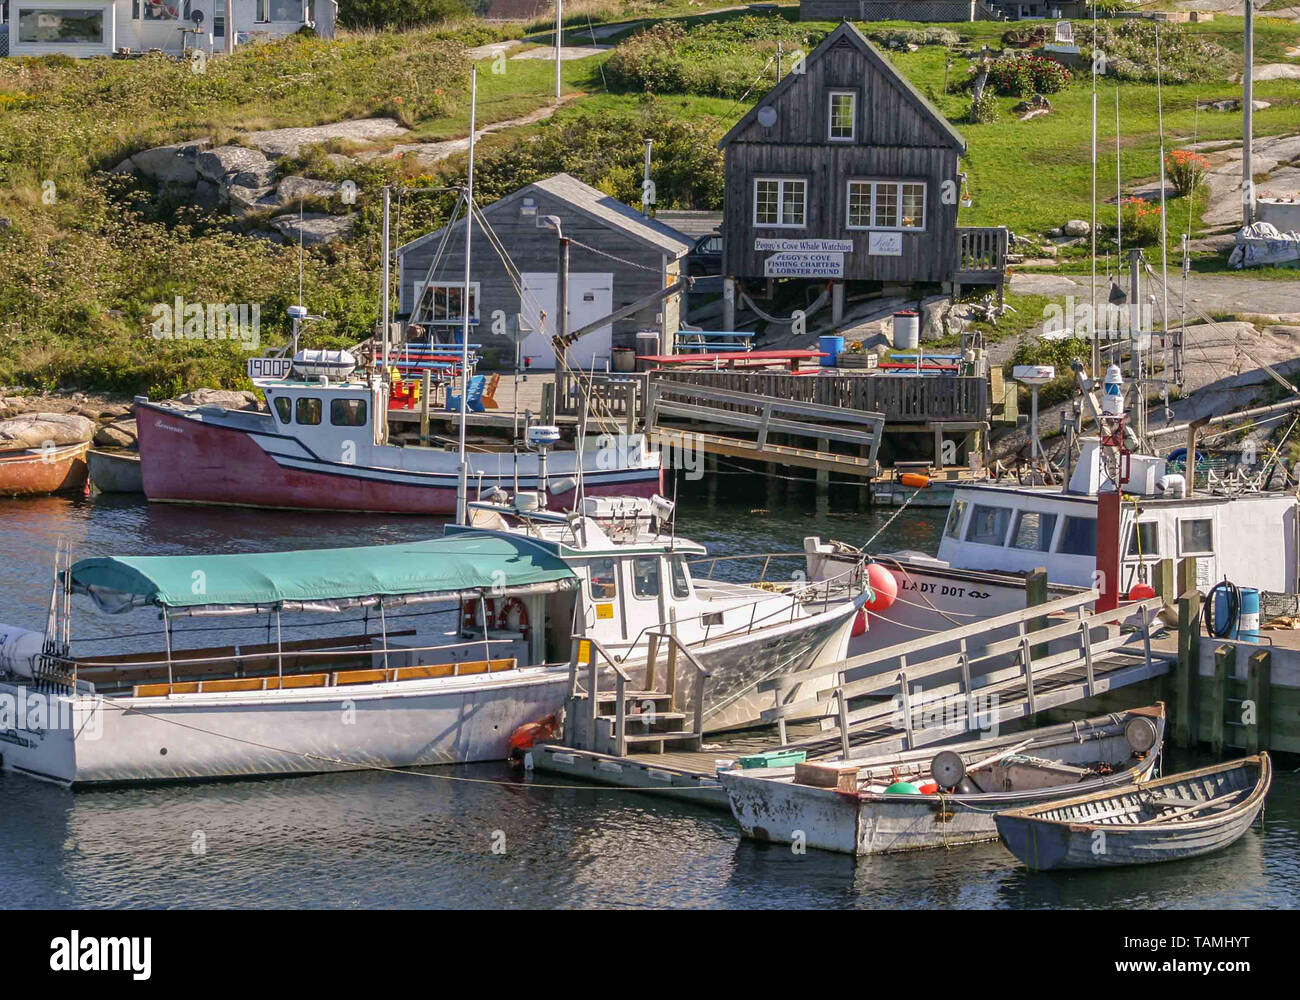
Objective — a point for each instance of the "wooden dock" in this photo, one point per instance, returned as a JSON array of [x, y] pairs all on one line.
[[1062, 652]]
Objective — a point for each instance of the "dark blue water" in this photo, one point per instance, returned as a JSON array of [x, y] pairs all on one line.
[[428, 839]]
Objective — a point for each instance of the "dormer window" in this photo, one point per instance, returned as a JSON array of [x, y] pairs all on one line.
[[843, 115]]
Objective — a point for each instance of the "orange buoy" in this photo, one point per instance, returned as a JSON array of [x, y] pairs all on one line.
[[859, 623], [1141, 592], [530, 733], [884, 588], [915, 480]]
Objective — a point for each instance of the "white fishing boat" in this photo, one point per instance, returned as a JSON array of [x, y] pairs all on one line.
[[466, 638], [927, 798]]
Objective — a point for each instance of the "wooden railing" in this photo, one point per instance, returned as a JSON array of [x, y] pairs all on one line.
[[981, 254], [901, 398], [611, 396]]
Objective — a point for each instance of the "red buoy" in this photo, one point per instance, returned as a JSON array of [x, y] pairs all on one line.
[[859, 623], [1141, 592], [884, 588]]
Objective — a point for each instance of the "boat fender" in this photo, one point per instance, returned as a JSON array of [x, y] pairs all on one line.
[[859, 623], [914, 480], [884, 588], [529, 734], [902, 788], [19, 648]]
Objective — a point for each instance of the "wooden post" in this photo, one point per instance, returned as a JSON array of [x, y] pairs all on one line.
[[425, 388], [1225, 667], [823, 474], [548, 403], [1187, 669], [1186, 574], [1036, 593], [1165, 585], [1259, 680]]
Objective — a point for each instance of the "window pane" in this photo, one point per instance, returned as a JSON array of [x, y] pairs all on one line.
[[160, 11], [1145, 541], [65, 26], [766, 203], [309, 410], [1079, 536], [913, 206], [645, 576], [841, 116], [792, 203], [1034, 531], [284, 408], [955, 514], [603, 583], [859, 204], [286, 10], [988, 525], [1195, 536], [348, 412], [887, 205], [681, 587]]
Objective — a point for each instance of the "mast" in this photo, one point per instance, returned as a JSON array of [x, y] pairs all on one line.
[[1096, 341], [559, 30], [462, 488], [1247, 119], [384, 287]]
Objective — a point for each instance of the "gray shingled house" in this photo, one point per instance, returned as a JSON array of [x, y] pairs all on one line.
[[617, 256]]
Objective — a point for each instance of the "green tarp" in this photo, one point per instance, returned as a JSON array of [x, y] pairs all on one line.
[[463, 562]]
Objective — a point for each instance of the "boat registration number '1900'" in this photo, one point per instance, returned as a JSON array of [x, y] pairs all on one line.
[[269, 367]]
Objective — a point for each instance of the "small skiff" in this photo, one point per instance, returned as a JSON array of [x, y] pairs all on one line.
[[870, 805], [35, 471], [1180, 816], [115, 471]]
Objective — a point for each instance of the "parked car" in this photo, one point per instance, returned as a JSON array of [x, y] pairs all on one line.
[[705, 257]]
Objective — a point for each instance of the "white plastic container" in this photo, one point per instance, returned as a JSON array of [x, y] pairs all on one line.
[[907, 330]]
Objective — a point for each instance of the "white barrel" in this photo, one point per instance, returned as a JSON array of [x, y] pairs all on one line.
[[19, 648], [907, 330]]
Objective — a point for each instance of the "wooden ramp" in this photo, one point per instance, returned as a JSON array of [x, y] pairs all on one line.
[[1063, 652]]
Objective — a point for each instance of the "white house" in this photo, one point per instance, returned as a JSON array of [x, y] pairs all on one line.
[[102, 27]]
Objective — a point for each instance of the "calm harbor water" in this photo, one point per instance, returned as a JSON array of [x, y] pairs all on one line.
[[427, 839]]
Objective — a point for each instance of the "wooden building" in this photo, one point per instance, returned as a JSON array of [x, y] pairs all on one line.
[[844, 171], [617, 259]]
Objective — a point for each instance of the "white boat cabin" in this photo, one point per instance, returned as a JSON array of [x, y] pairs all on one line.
[[1249, 538]]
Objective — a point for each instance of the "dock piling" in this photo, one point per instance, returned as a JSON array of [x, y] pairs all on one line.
[[1225, 667], [1186, 669], [1259, 681]]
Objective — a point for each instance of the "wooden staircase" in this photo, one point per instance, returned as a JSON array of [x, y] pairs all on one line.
[[622, 719]]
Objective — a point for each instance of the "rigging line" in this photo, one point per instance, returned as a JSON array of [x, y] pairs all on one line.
[[867, 544], [362, 766], [621, 260]]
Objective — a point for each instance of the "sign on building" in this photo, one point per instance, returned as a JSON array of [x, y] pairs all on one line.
[[885, 245], [816, 245], [804, 264]]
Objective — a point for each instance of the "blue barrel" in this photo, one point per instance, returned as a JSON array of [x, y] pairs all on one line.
[[832, 347], [1248, 627], [1222, 606]]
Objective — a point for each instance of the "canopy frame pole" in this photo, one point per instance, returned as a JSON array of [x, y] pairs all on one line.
[[279, 649], [487, 642], [167, 648], [383, 632]]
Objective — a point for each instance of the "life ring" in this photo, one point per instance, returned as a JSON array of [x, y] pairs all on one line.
[[470, 619], [512, 607]]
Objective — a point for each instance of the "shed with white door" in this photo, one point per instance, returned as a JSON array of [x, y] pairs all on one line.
[[617, 258]]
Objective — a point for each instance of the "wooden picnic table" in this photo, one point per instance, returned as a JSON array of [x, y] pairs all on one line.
[[735, 359]]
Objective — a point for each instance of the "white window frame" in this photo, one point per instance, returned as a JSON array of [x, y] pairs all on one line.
[[1147, 553], [1214, 531], [852, 95], [263, 7], [453, 321], [875, 183], [781, 182]]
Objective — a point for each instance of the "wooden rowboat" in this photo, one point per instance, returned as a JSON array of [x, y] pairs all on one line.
[[34, 471], [1180, 816], [115, 471]]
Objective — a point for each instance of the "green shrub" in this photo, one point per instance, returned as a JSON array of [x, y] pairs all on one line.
[[984, 110]]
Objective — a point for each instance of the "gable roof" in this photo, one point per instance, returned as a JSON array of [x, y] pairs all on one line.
[[846, 30], [593, 203]]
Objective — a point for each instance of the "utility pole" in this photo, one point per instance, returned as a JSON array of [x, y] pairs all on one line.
[[559, 31], [1247, 119]]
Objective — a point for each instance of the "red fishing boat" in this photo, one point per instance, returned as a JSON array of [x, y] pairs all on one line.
[[34, 471]]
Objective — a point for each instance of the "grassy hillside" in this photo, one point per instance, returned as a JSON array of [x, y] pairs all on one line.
[[87, 254]]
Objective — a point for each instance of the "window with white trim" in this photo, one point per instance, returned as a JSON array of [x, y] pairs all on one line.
[[842, 108], [159, 10], [780, 202], [897, 205], [279, 10], [58, 25], [1195, 536], [443, 304]]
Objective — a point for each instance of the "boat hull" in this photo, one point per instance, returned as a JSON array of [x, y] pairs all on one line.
[[774, 808], [36, 471], [186, 460], [1045, 845], [115, 472], [85, 739]]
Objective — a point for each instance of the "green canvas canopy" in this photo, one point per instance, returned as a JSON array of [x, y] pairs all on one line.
[[461, 563]]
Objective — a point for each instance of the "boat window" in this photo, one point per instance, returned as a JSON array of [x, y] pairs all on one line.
[[1145, 540], [681, 582], [309, 410], [284, 408], [955, 514], [348, 412], [603, 582], [988, 525], [1196, 537], [1034, 530], [645, 576], [1079, 536]]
